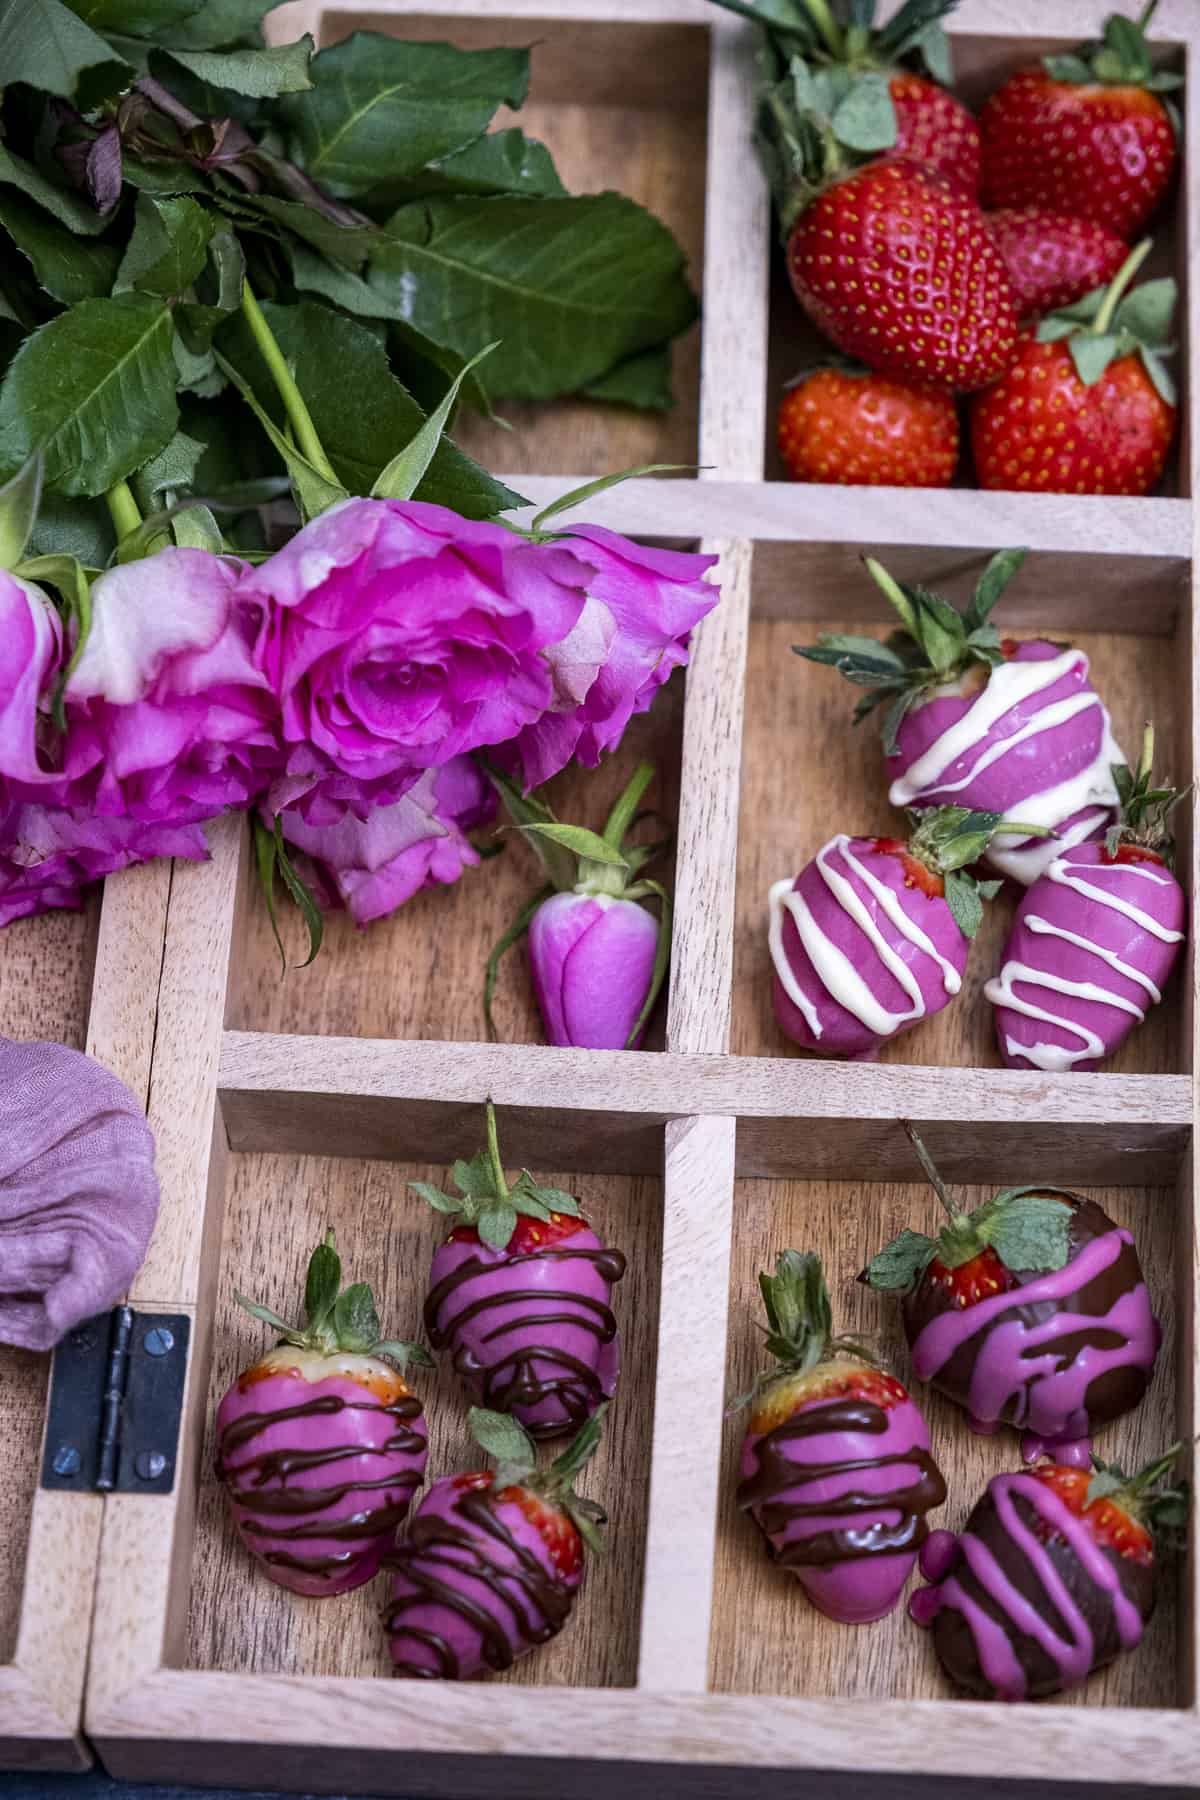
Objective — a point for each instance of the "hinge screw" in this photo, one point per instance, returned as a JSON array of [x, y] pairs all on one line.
[[150, 1463], [67, 1460], [158, 1341]]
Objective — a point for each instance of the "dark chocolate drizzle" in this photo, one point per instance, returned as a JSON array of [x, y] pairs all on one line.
[[777, 1473], [532, 1602], [513, 1379], [258, 1484]]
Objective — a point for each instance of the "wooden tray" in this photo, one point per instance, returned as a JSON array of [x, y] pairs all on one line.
[[280, 1107]]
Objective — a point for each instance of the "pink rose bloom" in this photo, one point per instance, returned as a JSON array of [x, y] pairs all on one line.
[[170, 719], [400, 636], [641, 607], [30, 658], [49, 854], [373, 864]]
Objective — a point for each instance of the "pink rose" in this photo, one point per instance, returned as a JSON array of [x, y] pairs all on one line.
[[30, 657], [170, 719], [400, 636], [641, 606], [49, 854], [373, 864]]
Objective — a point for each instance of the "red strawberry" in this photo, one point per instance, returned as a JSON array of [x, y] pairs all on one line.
[[1087, 407], [1086, 133], [1053, 258], [529, 1234], [894, 263], [851, 426], [1107, 1518], [933, 127], [553, 1524], [917, 874], [966, 1284]]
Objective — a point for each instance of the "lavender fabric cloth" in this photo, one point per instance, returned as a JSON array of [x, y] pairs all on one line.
[[78, 1192]]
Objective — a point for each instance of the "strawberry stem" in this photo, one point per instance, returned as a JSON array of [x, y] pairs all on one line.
[[1147, 13], [493, 1148], [827, 25], [930, 1167], [1117, 287]]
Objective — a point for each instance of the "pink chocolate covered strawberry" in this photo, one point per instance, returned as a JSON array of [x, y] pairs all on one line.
[[519, 1292], [1095, 938], [321, 1444], [491, 1561], [872, 936], [972, 719], [1031, 1311], [836, 1470]]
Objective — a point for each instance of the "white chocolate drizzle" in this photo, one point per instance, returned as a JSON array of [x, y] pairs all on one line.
[[841, 980]]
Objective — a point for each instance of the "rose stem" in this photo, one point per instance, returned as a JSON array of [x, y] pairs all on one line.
[[297, 412], [123, 508]]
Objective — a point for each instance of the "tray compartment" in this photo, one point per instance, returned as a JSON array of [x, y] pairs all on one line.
[[774, 1642], [277, 1208], [807, 772]]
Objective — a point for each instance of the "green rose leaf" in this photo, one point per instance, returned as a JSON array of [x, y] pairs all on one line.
[[95, 391], [643, 381], [580, 842], [260, 74], [355, 1321], [900, 1264], [77, 528], [67, 207], [219, 22], [168, 247], [502, 162], [140, 18], [18, 510], [174, 467], [218, 290], [46, 45], [570, 287], [380, 108], [69, 267], [347, 244]]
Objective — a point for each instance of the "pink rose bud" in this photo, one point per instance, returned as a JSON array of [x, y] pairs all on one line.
[[592, 959]]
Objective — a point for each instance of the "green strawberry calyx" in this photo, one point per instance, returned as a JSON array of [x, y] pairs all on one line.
[[1028, 1228], [1121, 59], [946, 838], [1163, 1508], [577, 861], [1110, 323], [337, 1319], [935, 645], [515, 1455], [488, 1201], [844, 32], [799, 1329], [1145, 810]]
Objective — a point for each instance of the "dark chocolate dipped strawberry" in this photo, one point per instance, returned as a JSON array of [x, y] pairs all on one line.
[[519, 1292], [491, 1561], [1051, 1578], [321, 1445], [1031, 1311], [836, 1470]]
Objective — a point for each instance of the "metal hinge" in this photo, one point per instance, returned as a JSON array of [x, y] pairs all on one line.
[[116, 1395]]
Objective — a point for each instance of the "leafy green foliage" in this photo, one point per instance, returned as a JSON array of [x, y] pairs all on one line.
[[799, 1316], [899, 1266], [488, 1201], [168, 248], [261, 74], [45, 44], [642, 381], [94, 390], [18, 509], [70, 268], [337, 1319]]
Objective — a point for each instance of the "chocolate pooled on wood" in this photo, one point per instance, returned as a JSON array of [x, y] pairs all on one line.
[[1031, 1311], [321, 1445], [1051, 1578], [519, 1292]]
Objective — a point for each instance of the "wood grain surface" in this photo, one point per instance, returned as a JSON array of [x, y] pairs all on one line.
[[45, 975], [419, 974], [808, 773], [772, 1641], [277, 1209]]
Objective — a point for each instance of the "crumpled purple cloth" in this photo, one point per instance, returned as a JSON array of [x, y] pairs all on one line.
[[78, 1192]]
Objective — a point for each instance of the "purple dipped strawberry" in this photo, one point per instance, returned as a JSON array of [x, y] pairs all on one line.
[[1031, 1311], [972, 719], [491, 1562], [1095, 938], [835, 1466], [519, 1292], [1051, 1578], [598, 959], [321, 1444], [872, 936]]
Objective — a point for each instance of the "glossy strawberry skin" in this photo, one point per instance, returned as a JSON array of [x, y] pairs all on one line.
[[916, 873], [979, 1279], [840, 1380], [933, 127], [895, 265], [529, 1235], [1106, 153], [1109, 1524], [868, 431], [1053, 258], [555, 1527], [1136, 853], [1041, 430]]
